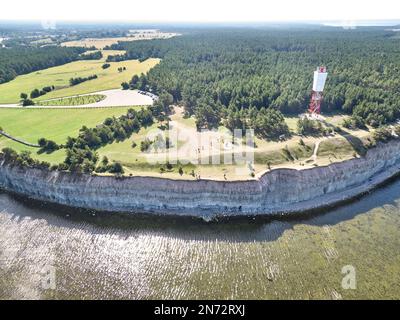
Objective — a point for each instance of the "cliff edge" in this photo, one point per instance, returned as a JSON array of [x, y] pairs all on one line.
[[280, 191]]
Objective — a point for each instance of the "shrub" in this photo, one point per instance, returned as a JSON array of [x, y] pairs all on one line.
[[306, 126], [78, 80], [47, 146], [354, 122], [35, 93], [145, 145], [383, 134], [116, 167], [27, 102], [9, 154]]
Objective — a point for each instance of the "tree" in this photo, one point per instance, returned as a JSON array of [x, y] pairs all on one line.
[[125, 85], [383, 134], [145, 144], [35, 93], [134, 82], [238, 70], [116, 167], [27, 102], [270, 123], [235, 120], [47, 146], [207, 117], [9, 154], [22, 59], [42, 142], [307, 126], [104, 161], [88, 166]]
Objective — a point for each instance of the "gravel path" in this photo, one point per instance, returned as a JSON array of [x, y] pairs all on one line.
[[19, 140]]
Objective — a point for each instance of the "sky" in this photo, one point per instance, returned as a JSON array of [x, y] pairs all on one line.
[[347, 11]]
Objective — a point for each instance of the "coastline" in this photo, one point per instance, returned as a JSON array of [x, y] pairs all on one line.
[[278, 192]]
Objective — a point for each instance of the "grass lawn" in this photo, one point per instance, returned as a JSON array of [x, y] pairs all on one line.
[[53, 124], [58, 124], [123, 151], [109, 78]]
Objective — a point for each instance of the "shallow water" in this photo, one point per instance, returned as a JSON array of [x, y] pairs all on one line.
[[50, 252]]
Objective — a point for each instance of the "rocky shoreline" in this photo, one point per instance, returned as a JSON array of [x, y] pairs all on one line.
[[280, 191]]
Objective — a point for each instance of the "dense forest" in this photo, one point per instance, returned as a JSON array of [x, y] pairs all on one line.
[[233, 73], [21, 60]]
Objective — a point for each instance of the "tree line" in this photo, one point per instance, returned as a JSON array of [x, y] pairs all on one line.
[[78, 80], [231, 72], [22, 60]]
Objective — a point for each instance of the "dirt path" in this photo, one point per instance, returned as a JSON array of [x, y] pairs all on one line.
[[19, 140], [316, 147]]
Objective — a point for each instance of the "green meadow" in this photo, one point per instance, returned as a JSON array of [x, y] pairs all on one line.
[[59, 77], [54, 124]]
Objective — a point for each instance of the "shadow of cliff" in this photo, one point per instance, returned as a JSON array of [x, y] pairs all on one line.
[[243, 229]]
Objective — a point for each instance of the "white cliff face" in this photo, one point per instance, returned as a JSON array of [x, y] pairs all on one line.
[[278, 191]]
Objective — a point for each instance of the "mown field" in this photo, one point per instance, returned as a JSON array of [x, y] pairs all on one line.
[[332, 149], [58, 124], [53, 124], [100, 43], [109, 78], [97, 43]]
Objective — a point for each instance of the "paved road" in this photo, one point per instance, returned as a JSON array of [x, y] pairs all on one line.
[[114, 98]]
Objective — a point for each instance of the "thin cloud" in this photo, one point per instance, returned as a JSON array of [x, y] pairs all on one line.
[[201, 11]]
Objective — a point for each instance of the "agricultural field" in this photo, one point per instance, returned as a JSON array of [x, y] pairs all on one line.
[[134, 35], [60, 76]]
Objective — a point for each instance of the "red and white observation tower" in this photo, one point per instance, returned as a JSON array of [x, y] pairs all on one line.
[[320, 76]]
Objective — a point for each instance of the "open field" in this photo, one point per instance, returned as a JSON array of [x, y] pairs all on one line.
[[267, 154], [28, 124], [57, 125], [101, 43], [134, 35], [109, 78]]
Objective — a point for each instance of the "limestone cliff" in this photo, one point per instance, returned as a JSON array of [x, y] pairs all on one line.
[[278, 191]]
